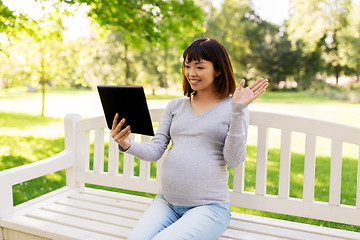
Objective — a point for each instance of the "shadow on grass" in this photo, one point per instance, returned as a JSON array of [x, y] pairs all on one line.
[[24, 120]]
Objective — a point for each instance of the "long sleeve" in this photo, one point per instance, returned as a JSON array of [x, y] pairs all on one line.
[[235, 142], [153, 150]]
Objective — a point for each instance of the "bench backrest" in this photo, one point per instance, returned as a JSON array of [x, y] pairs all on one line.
[[140, 175]]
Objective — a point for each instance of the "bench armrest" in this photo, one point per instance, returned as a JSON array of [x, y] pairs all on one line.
[[10, 177]]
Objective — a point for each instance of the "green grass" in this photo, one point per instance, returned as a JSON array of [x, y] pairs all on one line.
[[21, 121], [15, 151], [296, 97], [27, 137]]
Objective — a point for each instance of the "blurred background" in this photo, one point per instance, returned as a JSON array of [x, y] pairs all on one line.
[[311, 46]]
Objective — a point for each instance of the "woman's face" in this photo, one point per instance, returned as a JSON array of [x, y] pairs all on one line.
[[200, 74]]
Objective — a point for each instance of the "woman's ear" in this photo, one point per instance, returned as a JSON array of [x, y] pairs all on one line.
[[218, 73]]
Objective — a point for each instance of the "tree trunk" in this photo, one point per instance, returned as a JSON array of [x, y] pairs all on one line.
[[337, 73], [127, 69], [164, 82]]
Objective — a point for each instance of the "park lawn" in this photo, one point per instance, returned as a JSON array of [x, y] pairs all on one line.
[[26, 138]]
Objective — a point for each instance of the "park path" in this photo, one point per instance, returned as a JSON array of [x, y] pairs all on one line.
[[59, 105]]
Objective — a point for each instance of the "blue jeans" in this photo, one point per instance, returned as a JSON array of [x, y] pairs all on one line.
[[163, 220]]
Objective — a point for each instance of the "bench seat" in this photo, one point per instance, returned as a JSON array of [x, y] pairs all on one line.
[[99, 214]]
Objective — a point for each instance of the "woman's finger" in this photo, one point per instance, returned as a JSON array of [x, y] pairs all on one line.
[[115, 131], [258, 93], [261, 89], [258, 84], [261, 86], [241, 84], [122, 134], [254, 84], [115, 121]]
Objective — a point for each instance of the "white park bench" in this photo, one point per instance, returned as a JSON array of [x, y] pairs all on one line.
[[80, 212]]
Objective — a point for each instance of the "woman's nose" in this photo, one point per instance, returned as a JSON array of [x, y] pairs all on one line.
[[192, 72]]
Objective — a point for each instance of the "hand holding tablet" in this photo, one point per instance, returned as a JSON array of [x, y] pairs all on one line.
[[121, 136], [129, 102]]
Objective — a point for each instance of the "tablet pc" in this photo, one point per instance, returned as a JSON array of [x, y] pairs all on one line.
[[130, 103]]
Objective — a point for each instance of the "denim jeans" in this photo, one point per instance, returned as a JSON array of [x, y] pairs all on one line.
[[164, 221]]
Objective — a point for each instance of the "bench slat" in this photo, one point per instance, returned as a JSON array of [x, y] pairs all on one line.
[[117, 196], [120, 181], [128, 169], [113, 160], [238, 234], [309, 168], [261, 163], [83, 151], [101, 208], [335, 173], [285, 164], [136, 206], [85, 224], [300, 230], [92, 215], [36, 227], [99, 150], [145, 167], [300, 124], [239, 178], [272, 231]]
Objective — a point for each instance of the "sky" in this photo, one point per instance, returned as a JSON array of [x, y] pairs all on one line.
[[275, 11]]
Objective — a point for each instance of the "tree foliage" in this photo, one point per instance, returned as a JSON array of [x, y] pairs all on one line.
[[317, 24], [349, 41], [141, 42], [152, 20], [256, 47]]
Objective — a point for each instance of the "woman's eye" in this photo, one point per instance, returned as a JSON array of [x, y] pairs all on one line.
[[200, 68], [187, 66]]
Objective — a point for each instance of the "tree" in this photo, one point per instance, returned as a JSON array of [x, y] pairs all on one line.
[[9, 23], [273, 56], [156, 23], [317, 23], [256, 47], [230, 25], [349, 41], [145, 19]]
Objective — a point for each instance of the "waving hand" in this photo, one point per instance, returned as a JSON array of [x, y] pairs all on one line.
[[249, 94]]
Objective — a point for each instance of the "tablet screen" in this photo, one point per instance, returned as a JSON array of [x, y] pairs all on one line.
[[130, 103]]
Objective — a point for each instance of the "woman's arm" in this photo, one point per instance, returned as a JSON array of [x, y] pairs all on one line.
[[151, 151], [235, 142]]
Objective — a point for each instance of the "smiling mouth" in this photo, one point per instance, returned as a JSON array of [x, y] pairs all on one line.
[[193, 81]]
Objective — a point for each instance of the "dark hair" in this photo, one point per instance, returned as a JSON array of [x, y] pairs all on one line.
[[211, 50]]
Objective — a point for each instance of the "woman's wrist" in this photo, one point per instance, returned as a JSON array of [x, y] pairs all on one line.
[[124, 147]]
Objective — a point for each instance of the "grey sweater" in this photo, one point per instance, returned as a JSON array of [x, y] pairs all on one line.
[[194, 170]]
